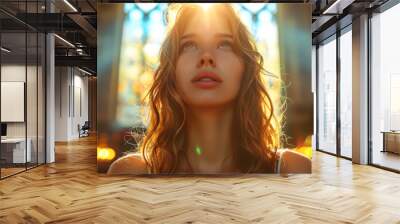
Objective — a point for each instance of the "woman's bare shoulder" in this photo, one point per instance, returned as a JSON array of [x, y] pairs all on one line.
[[294, 162], [129, 164]]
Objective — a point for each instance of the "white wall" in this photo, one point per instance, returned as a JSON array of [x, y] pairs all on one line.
[[80, 111], [61, 103], [71, 94]]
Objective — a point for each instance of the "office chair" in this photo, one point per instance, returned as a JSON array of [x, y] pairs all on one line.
[[84, 130]]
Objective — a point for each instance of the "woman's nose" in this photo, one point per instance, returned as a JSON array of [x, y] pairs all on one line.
[[206, 59]]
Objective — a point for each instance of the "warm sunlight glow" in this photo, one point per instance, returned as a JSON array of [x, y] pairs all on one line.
[[205, 6], [105, 153], [305, 150], [174, 8]]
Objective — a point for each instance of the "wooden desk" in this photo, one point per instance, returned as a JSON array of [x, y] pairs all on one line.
[[13, 150], [391, 141]]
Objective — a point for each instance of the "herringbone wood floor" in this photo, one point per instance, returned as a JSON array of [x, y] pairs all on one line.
[[70, 191]]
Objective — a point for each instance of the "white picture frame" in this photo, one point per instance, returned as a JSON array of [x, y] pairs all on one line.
[[12, 101]]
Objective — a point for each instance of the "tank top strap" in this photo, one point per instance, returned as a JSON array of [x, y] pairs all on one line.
[[278, 161]]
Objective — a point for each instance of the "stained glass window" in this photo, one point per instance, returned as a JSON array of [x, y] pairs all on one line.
[[143, 33]]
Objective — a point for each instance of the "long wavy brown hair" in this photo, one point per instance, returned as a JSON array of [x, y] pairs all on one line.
[[256, 130]]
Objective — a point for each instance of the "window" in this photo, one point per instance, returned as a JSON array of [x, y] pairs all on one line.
[[346, 93], [327, 96], [385, 89]]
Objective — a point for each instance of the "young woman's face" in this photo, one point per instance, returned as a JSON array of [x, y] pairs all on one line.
[[208, 71]]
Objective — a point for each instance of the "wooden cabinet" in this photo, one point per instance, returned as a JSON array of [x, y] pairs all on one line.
[[391, 142]]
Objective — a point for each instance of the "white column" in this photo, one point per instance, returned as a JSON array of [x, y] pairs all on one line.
[[360, 90], [50, 93], [50, 110]]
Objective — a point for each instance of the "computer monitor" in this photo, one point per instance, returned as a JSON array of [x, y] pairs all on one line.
[[3, 129]]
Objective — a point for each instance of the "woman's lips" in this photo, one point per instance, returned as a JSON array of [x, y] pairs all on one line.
[[206, 80]]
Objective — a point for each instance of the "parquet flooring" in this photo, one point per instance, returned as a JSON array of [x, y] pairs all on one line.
[[387, 159], [71, 191], [9, 171]]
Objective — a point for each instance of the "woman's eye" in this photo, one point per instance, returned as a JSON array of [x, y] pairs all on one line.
[[190, 45], [225, 45]]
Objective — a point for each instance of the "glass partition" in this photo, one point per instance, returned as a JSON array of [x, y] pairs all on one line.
[[22, 88], [13, 105]]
